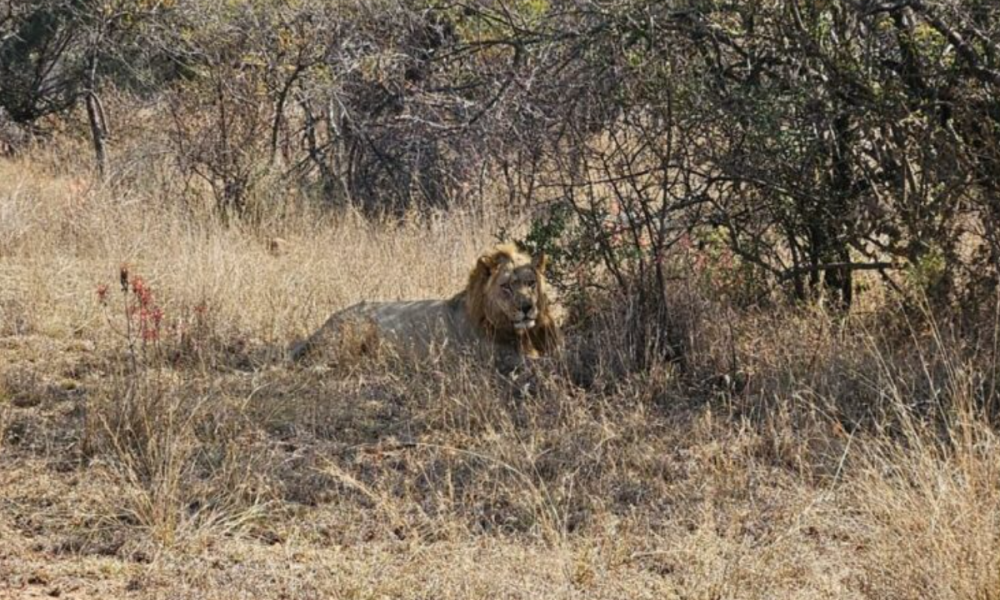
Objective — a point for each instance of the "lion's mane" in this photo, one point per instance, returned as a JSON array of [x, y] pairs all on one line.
[[483, 309]]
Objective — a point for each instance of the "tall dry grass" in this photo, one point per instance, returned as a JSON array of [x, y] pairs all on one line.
[[797, 454], [60, 236]]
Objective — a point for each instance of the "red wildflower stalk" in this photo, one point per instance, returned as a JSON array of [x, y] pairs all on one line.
[[142, 293], [102, 294]]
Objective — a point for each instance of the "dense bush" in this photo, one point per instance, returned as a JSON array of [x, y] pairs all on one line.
[[819, 138], [811, 140]]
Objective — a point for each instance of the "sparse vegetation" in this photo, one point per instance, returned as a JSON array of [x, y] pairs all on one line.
[[772, 226]]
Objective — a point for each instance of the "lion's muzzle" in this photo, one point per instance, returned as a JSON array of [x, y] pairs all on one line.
[[524, 324], [525, 318]]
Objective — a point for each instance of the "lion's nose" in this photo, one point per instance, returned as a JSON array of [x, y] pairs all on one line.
[[525, 306]]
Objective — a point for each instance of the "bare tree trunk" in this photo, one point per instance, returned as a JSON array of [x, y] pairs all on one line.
[[279, 110], [98, 120], [337, 140]]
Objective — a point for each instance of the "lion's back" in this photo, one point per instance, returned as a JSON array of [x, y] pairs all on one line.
[[408, 326], [417, 322]]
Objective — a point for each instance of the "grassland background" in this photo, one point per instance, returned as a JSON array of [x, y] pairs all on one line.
[[852, 459]]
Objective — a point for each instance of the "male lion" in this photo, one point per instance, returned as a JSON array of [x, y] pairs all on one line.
[[505, 306]]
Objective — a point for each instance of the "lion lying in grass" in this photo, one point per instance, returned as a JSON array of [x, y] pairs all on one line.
[[505, 307]]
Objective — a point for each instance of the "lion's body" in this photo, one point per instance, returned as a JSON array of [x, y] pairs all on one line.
[[504, 309], [413, 327]]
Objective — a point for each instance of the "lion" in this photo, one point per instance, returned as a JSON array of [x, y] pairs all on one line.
[[505, 307]]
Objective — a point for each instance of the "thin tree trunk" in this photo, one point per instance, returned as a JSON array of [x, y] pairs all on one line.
[[98, 121]]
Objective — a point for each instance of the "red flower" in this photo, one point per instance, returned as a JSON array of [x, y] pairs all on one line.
[[149, 322], [142, 293]]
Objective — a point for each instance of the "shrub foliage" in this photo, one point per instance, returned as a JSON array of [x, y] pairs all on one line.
[[810, 140]]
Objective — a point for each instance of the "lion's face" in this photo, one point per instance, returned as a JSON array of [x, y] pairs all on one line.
[[515, 292], [507, 295], [507, 288]]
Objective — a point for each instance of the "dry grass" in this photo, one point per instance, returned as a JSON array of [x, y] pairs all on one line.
[[848, 460]]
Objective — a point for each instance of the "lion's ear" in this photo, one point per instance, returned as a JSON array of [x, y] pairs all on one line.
[[484, 270], [539, 262], [487, 263]]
